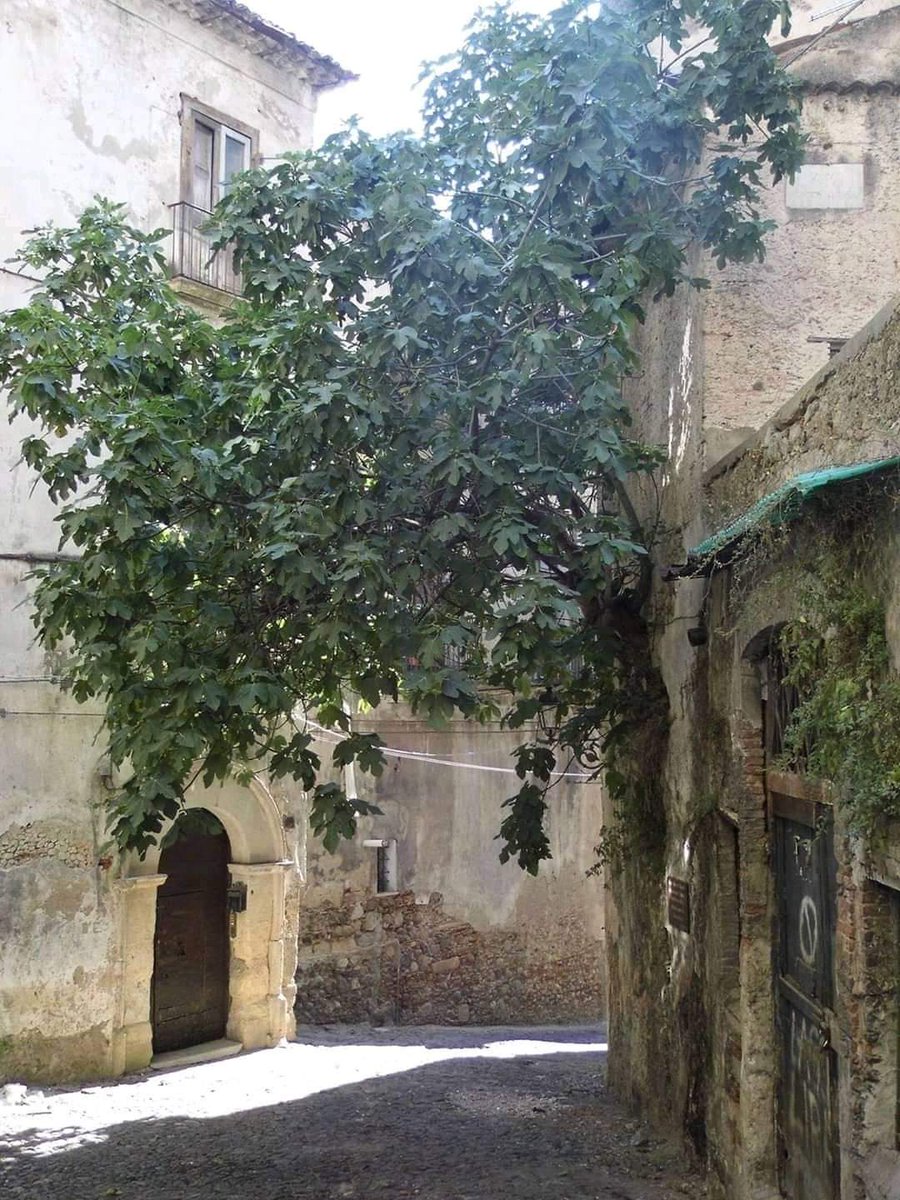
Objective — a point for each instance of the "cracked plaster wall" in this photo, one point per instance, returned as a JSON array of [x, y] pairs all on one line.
[[445, 820], [95, 89], [80, 132]]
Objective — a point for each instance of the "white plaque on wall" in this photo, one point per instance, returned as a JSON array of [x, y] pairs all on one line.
[[827, 185]]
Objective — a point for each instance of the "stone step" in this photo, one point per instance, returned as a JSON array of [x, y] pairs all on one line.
[[205, 1052]]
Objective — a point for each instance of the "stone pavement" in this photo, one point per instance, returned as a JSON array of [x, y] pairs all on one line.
[[349, 1114]]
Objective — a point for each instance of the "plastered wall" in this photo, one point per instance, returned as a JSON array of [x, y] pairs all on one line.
[[92, 94], [97, 91], [519, 928]]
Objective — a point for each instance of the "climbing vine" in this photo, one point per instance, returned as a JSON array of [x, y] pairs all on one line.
[[846, 727], [633, 752]]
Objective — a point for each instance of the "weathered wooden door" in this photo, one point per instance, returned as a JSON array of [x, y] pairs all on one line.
[[190, 965], [804, 875]]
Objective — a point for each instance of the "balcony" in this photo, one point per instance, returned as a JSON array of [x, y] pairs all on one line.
[[195, 263]]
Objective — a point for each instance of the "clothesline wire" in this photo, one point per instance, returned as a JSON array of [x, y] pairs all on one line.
[[434, 760]]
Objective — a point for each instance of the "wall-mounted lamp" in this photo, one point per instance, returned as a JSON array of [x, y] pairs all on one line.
[[237, 897], [235, 902]]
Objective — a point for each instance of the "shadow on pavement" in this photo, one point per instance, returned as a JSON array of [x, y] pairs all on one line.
[[528, 1126]]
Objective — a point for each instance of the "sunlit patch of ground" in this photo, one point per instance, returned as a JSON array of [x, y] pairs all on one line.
[[61, 1120], [351, 1113]]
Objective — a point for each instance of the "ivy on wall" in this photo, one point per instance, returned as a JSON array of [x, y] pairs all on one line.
[[846, 728]]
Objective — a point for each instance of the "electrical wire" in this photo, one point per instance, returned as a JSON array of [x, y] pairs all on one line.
[[330, 736], [839, 20], [31, 678], [29, 712], [433, 760]]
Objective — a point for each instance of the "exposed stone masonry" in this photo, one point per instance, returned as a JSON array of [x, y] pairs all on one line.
[[401, 958], [44, 839]]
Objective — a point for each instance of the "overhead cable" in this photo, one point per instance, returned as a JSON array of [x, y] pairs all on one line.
[[423, 756]]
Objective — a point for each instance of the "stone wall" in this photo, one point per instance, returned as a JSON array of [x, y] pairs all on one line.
[[404, 959], [692, 1015], [833, 259], [656, 1062], [847, 413], [715, 1013]]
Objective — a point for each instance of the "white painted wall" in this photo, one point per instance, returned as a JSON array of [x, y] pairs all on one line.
[[96, 88], [91, 91]]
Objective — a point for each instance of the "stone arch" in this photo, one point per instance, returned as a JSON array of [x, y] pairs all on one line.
[[249, 814], [261, 987]]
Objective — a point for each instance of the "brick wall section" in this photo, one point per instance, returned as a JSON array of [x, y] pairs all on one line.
[[727, 867], [754, 834], [401, 958], [757, 1015], [868, 983], [847, 1006]]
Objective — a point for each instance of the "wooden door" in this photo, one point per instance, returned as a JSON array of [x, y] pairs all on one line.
[[805, 882], [807, 1116], [190, 963]]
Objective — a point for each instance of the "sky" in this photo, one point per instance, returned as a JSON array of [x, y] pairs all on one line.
[[382, 41], [385, 41]]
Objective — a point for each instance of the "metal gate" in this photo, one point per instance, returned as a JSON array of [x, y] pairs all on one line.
[[804, 878]]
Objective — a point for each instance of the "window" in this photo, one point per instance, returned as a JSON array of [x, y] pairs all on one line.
[[215, 148], [217, 155], [781, 700], [386, 878]]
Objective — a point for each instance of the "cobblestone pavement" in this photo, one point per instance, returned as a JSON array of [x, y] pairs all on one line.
[[348, 1114]]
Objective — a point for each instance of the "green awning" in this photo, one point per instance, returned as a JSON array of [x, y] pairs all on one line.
[[779, 506]]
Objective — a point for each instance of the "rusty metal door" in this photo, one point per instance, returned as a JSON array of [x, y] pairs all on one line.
[[807, 1116], [190, 965]]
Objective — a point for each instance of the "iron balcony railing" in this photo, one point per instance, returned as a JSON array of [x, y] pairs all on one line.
[[192, 254]]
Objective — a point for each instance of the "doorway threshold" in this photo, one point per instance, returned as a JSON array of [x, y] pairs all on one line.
[[191, 1055]]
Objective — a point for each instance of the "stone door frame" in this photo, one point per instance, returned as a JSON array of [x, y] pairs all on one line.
[[263, 942]]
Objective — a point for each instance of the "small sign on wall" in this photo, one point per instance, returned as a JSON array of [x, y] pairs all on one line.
[[827, 185], [678, 903]]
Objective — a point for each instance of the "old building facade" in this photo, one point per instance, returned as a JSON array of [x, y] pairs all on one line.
[[758, 961], [104, 961], [155, 103], [417, 921]]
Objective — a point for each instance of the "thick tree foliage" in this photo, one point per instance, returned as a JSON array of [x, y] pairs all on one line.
[[399, 466]]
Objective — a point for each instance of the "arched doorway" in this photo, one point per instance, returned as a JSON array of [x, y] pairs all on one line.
[[261, 941], [189, 997], [805, 877]]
